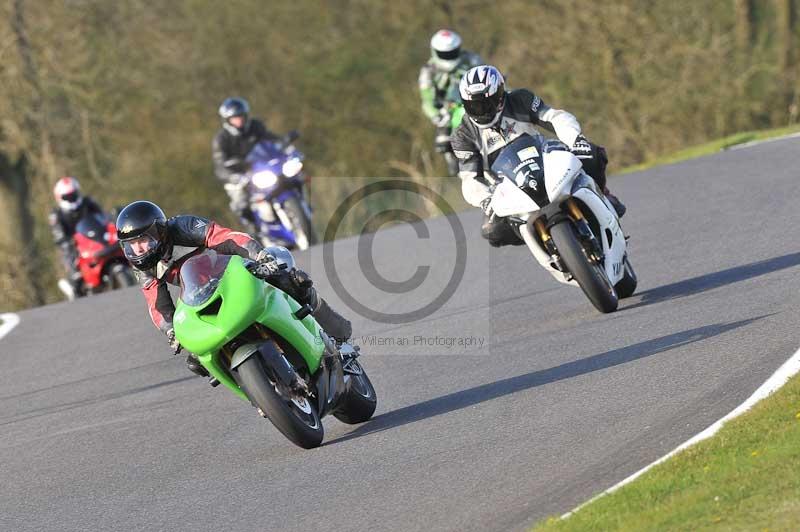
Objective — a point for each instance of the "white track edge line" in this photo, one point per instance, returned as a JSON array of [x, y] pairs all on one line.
[[9, 322], [789, 369]]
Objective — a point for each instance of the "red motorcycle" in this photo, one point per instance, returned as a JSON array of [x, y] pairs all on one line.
[[100, 259]]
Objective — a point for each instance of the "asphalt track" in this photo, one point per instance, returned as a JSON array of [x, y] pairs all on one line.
[[100, 428]]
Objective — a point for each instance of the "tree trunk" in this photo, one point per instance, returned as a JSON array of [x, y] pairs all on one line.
[[745, 24], [20, 283]]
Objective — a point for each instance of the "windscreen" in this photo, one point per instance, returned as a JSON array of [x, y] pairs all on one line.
[[263, 151], [200, 276], [521, 162], [93, 226]]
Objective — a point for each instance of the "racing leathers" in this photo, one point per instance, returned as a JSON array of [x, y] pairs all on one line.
[[477, 148], [231, 144], [189, 235], [438, 90], [62, 226]]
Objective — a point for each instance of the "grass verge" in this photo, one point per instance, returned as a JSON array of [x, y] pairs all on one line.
[[713, 147], [746, 477]]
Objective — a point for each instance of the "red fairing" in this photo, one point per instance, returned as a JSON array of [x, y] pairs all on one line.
[[93, 257], [112, 233], [217, 234]]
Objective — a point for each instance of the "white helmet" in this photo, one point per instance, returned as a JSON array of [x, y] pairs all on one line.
[[68, 194], [445, 50], [483, 92]]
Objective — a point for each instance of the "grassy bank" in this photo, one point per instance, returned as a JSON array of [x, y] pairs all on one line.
[[713, 147], [743, 478]]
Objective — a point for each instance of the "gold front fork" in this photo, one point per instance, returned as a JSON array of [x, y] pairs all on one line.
[[574, 211], [541, 229]]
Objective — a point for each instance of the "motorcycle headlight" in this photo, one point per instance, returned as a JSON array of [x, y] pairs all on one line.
[[292, 167], [265, 179]]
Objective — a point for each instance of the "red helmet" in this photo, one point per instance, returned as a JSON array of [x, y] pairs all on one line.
[[68, 194]]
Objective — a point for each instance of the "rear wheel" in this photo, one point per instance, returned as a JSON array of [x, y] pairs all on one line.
[[304, 232], [296, 417], [627, 285], [590, 276], [359, 403]]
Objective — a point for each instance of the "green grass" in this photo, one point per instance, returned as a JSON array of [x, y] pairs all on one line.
[[746, 477], [712, 147]]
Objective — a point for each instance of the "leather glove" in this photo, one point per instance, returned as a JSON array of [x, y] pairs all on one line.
[[304, 289], [582, 147], [301, 279], [486, 206], [443, 119], [267, 265], [174, 344]]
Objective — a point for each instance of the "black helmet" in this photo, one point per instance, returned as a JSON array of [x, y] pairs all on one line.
[[142, 233], [482, 90], [234, 107]]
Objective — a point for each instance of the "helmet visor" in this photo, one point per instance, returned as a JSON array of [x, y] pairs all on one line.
[[237, 121], [71, 196], [449, 55], [139, 247], [484, 109]]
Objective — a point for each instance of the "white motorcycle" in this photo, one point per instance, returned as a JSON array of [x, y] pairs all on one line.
[[565, 220]]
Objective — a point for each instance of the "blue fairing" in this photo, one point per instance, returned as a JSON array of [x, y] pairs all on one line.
[[270, 158]]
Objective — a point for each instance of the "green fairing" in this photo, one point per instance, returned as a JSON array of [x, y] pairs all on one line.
[[245, 301], [456, 116]]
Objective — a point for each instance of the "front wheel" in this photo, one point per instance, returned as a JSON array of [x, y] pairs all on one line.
[[360, 400], [590, 276], [304, 233], [123, 278], [296, 418]]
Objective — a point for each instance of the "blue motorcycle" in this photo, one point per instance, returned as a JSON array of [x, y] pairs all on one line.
[[277, 189]]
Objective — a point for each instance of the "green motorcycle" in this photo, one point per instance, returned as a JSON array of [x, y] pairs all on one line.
[[268, 349]]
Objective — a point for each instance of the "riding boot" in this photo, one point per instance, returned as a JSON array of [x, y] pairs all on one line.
[[333, 323], [617, 204], [300, 286]]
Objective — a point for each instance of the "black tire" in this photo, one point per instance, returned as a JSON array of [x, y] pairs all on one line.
[[300, 222], [360, 401], [591, 277], [627, 285], [301, 428], [124, 278]]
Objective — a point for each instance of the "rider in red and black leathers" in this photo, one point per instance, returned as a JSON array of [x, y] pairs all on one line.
[[172, 241], [188, 235], [72, 207]]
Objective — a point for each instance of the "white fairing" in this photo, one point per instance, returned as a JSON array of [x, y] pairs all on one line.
[[541, 256], [560, 170], [509, 200], [614, 250], [564, 178]]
